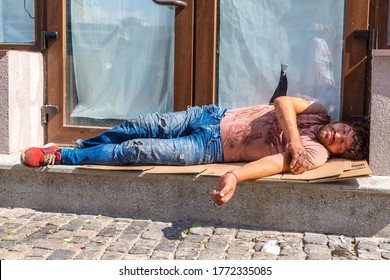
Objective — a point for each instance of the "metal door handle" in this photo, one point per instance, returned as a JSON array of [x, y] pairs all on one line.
[[171, 2]]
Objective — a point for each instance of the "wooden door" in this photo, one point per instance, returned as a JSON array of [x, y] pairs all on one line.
[[356, 97], [196, 63]]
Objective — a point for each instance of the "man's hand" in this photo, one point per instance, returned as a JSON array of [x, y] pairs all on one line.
[[300, 160], [287, 108], [225, 189]]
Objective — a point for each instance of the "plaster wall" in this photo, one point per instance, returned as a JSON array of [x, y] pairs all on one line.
[[21, 97], [4, 116], [380, 117]]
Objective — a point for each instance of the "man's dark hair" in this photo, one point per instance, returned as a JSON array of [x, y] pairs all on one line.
[[361, 140]]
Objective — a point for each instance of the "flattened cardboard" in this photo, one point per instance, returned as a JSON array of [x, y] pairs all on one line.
[[191, 169], [116, 168], [333, 170], [330, 169], [151, 169], [357, 169], [219, 169]]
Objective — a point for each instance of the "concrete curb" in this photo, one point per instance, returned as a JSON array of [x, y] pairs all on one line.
[[354, 207]]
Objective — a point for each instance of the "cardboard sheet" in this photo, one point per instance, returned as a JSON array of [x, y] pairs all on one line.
[[333, 170], [116, 168], [152, 169], [356, 169]]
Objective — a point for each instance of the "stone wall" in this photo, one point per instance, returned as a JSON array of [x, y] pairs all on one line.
[[380, 114]]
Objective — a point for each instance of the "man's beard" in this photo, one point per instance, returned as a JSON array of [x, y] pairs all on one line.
[[323, 134]]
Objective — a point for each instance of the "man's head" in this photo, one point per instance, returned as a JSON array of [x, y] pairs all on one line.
[[350, 141]]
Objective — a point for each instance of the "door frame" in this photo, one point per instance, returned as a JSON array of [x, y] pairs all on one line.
[[196, 63], [357, 60]]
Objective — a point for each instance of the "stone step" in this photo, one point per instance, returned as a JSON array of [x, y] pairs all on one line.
[[357, 207]]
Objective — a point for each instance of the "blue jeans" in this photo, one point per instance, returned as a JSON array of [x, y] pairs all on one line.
[[182, 138]]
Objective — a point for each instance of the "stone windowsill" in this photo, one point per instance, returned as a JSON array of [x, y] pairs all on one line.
[[381, 53]]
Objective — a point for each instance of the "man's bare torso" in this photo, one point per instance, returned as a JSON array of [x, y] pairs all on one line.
[[251, 133]]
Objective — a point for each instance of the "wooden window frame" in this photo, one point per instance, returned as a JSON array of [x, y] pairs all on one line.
[[381, 24], [205, 56], [39, 27]]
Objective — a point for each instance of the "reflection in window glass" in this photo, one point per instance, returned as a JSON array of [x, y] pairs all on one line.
[[256, 37], [17, 21]]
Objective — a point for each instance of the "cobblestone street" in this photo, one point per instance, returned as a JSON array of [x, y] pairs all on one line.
[[32, 235]]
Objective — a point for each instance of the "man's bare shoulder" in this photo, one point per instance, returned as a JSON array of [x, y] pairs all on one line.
[[252, 108], [314, 107]]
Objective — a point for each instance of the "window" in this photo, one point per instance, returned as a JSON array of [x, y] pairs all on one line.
[[19, 24], [105, 52], [17, 21], [199, 59], [130, 47]]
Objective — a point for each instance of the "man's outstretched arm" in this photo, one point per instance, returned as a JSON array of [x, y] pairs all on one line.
[[263, 167], [287, 108]]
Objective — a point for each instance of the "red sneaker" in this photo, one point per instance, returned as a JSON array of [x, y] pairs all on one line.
[[47, 155]]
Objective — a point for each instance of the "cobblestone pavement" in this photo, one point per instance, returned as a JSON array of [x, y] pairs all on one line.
[[29, 234]]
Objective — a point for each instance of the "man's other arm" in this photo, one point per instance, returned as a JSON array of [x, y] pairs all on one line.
[[263, 167]]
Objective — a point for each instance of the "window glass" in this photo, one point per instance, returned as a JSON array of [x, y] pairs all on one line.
[[120, 60], [17, 21], [257, 37]]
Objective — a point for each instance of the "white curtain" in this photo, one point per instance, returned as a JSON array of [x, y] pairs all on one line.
[[17, 21], [123, 54], [256, 37]]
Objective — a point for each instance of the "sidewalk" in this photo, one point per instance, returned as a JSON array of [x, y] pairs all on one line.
[[32, 235]]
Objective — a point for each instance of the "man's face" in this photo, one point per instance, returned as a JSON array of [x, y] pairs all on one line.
[[337, 137]]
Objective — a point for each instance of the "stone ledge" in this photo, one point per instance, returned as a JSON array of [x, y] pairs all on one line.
[[381, 53], [357, 207], [374, 184]]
